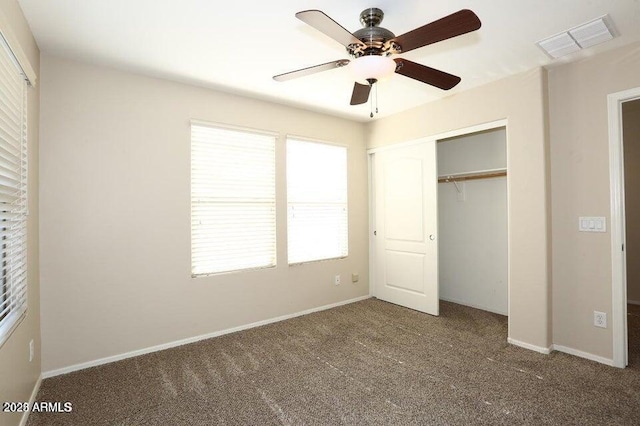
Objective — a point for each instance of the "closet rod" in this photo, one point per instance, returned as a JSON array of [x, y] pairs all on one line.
[[471, 176]]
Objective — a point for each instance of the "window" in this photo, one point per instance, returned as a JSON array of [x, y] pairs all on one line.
[[233, 200], [316, 201], [13, 191]]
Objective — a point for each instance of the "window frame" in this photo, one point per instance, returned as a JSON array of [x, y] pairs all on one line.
[[15, 314], [233, 128]]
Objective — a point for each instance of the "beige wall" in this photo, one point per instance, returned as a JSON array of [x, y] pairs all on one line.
[[631, 135], [521, 100], [18, 376], [115, 203], [580, 181]]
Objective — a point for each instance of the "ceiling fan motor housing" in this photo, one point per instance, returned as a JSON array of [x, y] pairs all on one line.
[[376, 39]]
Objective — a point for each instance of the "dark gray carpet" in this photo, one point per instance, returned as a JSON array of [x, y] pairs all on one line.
[[633, 324], [366, 363]]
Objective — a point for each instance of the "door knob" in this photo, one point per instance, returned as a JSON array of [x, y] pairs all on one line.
[[432, 237]]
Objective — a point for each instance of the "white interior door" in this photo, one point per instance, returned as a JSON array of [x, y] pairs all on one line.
[[405, 190]]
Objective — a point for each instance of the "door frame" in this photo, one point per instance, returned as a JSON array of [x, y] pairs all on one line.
[[445, 135], [618, 255]]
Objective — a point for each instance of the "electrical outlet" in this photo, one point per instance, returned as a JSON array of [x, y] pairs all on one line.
[[31, 350], [336, 280], [600, 319], [355, 278]]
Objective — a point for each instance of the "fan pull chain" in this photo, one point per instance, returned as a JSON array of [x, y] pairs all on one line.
[[371, 104], [376, 98], [371, 100]]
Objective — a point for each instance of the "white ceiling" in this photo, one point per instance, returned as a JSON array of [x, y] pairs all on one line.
[[237, 46]]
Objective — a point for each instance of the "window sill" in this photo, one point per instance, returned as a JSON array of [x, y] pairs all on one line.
[[306, 262], [10, 325]]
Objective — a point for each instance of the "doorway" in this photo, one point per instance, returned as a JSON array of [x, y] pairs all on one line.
[[631, 149], [624, 229]]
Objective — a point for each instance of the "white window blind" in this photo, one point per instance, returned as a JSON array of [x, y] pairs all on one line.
[[233, 200], [13, 191], [316, 201]]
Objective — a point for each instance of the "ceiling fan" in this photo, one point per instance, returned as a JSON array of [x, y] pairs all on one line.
[[371, 48]]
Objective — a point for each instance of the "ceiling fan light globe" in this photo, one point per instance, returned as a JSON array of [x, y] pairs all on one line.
[[372, 67]]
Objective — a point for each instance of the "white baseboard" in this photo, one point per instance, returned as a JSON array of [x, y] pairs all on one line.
[[473, 305], [529, 346], [32, 398], [633, 302], [188, 340], [564, 349], [581, 354]]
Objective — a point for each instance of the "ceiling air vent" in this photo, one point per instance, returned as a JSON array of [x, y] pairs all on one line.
[[577, 38], [591, 33], [559, 45]]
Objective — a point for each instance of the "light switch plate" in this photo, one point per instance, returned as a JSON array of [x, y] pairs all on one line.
[[592, 224]]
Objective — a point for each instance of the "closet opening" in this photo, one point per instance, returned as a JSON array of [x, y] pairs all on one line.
[[631, 149], [472, 221]]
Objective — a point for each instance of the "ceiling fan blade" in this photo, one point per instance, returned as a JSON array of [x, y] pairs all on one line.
[[360, 93], [461, 22], [321, 22], [311, 70], [425, 74]]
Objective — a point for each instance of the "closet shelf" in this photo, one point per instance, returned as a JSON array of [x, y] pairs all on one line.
[[480, 174]]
